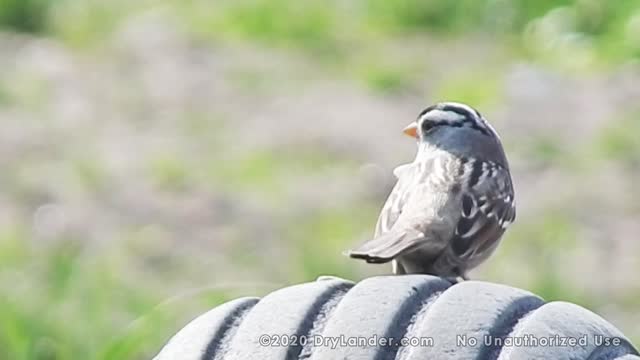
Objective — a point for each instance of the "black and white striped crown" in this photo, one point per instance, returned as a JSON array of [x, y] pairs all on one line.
[[456, 115]]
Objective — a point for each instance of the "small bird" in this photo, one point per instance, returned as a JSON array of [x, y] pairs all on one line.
[[451, 205]]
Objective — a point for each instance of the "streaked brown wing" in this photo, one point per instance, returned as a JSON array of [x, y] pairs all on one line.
[[487, 209], [395, 202]]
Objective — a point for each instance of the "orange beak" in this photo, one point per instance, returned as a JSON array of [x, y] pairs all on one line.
[[411, 130]]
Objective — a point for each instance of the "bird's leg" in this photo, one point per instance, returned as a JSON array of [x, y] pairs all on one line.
[[397, 268], [457, 279]]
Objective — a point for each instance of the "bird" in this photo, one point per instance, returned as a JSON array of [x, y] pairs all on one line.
[[449, 207]]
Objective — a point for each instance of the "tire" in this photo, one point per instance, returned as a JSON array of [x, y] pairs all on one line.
[[334, 319]]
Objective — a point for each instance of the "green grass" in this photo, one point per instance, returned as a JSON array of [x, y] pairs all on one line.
[[280, 22], [534, 253], [312, 26], [24, 89], [62, 302], [269, 172], [67, 299], [331, 28], [544, 150], [618, 141], [91, 176], [25, 15], [386, 79], [480, 87], [321, 238], [170, 172]]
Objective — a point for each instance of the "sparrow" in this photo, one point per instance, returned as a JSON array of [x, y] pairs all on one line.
[[452, 204]]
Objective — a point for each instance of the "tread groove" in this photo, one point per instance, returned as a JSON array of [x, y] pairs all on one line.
[[604, 352], [403, 317], [315, 320], [505, 323], [415, 307], [221, 340], [415, 321]]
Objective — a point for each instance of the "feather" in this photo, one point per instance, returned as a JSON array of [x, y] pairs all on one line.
[[392, 208], [487, 205], [386, 247]]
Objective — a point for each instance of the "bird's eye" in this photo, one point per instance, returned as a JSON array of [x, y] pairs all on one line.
[[427, 125]]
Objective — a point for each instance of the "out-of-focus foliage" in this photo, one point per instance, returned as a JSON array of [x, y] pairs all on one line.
[[25, 15], [160, 157], [607, 30]]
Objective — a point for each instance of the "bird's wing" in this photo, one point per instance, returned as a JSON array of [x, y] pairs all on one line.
[[414, 204], [388, 244], [386, 247], [487, 209], [395, 202]]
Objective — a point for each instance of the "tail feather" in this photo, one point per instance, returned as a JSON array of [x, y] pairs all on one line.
[[388, 246]]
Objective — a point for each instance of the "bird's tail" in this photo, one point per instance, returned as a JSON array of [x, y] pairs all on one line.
[[388, 246]]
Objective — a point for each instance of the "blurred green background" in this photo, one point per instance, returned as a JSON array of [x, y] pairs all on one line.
[[161, 157]]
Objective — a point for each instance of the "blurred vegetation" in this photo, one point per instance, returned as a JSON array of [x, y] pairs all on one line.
[[70, 300], [25, 15], [607, 30], [618, 141]]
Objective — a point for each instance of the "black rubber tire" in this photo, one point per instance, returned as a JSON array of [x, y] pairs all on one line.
[[444, 321]]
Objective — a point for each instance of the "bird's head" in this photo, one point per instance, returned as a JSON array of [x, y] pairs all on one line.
[[442, 118], [458, 129]]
